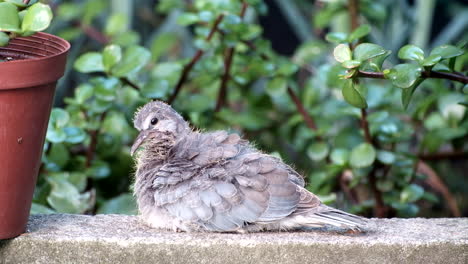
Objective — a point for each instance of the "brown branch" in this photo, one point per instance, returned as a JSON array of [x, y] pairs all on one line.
[[380, 208], [188, 67], [305, 115], [93, 33], [456, 76], [93, 134], [353, 9], [126, 81], [439, 186], [227, 68], [444, 155], [365, 127]]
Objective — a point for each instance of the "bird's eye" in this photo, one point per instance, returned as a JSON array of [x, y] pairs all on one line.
[[154, 121]]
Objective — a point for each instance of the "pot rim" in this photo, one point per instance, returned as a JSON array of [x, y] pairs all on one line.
[[44, 62]]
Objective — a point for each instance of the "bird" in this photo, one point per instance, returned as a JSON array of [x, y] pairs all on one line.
[[192, 181]]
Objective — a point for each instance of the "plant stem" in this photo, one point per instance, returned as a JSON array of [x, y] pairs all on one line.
[[444, 155], [126, 81], [380, 208], [227, 68], [188, 67], [353, 9], [365, 127], [305, 115], [455, 76]]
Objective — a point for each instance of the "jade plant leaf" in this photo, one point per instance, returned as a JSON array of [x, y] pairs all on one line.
[[4, 39], [9, 18], [367, 51], [111, 55], [37, 18], [342, 53], [404, 75], [411, 52], [134, 58], [90, 62], [447, 51], [359, 32], [353, 96], [318, 151], [362, 156]]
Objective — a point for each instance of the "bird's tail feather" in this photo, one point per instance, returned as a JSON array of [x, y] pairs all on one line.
[[334, 217]]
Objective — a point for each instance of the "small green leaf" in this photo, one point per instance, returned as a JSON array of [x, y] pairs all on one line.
[[116, 23], [187, 19], [162, 43], [98, 170], [277, 86], [351, 64], [89, 62], [406, 94], [134, 58], [386, 157], [404, 75], [9, 18], [41, 209], [59, 117], [318, 151], [367, 51], [83, 92], [447, 51], [122, 204], [155, 89], [111, 55], [65, 197], [339, 156], [37, 18], [4, 39], [431, 60], [336, 37], [359, 32], [411, 52], [362, 156], [411, 193], [342, 53], [105, 88], [75, 135], [353, 96]]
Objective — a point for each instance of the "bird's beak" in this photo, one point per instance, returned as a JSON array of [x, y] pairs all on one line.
[[139, 140]]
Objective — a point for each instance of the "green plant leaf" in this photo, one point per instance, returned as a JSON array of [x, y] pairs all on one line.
[[83, 92], [65, 197], [336, 37], [367, 51], [162, 43], [411, 52], [9, 18], [111, 55], [59, 155], [4, 39], [122, 204], [406, 94], [359, 32], [447, 51], [411, 193], [156, 89], [352, 95], [37, 18], [386, 157], [75, 135], [431, 60], [350, 64], [342, 53], [362, 156], [98, 170], [116, 23], [318, 151], [277, 86], [59, 117], [134, 58], [105, 88], [339, 156], [89, 62], [404, 75], [41, 209], [187, 19]]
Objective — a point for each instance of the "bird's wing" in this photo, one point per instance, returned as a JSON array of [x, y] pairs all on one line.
[[221, 183]]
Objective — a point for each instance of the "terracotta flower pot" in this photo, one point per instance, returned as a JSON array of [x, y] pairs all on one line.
[[27, 85]]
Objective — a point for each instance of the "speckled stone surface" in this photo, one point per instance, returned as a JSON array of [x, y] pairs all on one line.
[[123, 239]]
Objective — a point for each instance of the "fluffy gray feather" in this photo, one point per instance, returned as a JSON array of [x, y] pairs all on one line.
[[216, 181]]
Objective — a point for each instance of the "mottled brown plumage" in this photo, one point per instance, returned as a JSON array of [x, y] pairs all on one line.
[[216, 181]]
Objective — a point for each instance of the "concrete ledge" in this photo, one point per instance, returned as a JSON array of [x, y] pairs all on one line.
[[123, 239]]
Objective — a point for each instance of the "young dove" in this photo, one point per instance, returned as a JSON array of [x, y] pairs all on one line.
[[192, 181]]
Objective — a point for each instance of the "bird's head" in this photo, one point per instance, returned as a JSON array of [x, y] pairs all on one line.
[[157, 120]]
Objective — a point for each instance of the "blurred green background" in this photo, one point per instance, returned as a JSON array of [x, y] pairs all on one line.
[[265, 69]]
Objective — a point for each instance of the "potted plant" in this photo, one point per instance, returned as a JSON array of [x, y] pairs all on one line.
[[31, 62]]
